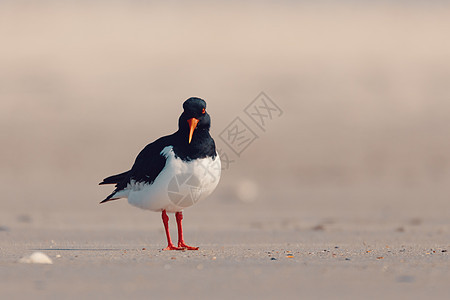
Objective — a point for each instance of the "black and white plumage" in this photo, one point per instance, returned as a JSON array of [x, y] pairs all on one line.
[[190, 150]]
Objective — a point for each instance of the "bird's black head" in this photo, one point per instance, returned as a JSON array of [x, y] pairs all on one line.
[[194, 118]]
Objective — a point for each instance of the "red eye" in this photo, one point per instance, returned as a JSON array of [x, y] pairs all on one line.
[[203, 111]]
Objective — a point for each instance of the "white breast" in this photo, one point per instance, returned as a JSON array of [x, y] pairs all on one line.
[[179, 185]]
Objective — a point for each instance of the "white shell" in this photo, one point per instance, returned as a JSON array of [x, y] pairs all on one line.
[[36, 258]]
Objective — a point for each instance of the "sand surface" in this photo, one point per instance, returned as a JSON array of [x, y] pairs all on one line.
[[247, 257]]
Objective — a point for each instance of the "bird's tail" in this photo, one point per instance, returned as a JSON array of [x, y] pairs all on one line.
[[110, 198], [118, 180], [115, 179], [116, 195]]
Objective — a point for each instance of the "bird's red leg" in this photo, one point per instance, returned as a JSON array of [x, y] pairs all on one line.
[[181, 243], [170, 245]]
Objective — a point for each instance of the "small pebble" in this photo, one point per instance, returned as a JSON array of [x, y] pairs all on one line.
[[405, 278], [214, 258], [347, 258], [273, 258], [319, 227], [173, 257], [380, 257], [144, 249]]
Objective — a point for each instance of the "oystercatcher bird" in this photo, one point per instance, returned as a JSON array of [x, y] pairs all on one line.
[[173, 172]]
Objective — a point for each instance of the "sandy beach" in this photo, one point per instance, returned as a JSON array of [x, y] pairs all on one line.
[[244, 253], [342, 193], [311, 264]]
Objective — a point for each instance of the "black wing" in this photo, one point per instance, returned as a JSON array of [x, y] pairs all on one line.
[[149, 163]]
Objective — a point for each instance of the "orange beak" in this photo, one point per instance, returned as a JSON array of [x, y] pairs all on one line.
[[192, 125]]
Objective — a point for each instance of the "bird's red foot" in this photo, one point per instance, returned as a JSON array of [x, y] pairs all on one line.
[[186, 247], [172, 247]]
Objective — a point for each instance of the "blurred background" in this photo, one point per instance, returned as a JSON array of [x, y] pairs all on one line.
[[364, 88]]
